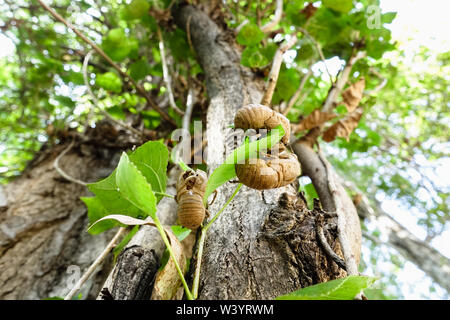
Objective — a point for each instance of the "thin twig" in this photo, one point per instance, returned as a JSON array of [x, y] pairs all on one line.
[[189, 108], [166, 74], [97, 102], [95, 264], [277, 17], [188, 32], [380, 86], [323, 241], [328, 105], [241, 25], [138, 87], [61, 172], [296, 95], [318, 49], [201, 244], [275, 70], [86, 59]]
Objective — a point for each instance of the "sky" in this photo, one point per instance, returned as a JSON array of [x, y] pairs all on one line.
[[418, 22]]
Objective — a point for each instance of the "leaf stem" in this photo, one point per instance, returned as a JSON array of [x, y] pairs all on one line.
[[172, 255], [223, 208], [201, 243], [164, 194]]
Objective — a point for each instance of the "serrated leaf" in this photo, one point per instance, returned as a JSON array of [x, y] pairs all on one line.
[[133, 186], [250, 35], [96, 211], [151, 160], [111, 198], [226, 171], [340, 289]]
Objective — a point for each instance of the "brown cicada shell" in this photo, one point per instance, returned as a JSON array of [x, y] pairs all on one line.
[[268, 171], [191, 187], [257, 116]]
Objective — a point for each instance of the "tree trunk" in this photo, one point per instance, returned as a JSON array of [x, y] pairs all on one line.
[[262, 245], [44, 246]]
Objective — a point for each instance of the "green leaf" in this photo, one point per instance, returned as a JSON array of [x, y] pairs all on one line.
[[343, 6], [226, 171], [115, 44], [250, 35], [183, 165], [388, 17], [253, 57], [341, 109], [180, 232], [287, 84], [109, 81], [306, 51], [134, 187], [116, 112], [340, 289], [118, 45], [137, 9], [140, 69], [96, 211], [113, 201], [151, 160]]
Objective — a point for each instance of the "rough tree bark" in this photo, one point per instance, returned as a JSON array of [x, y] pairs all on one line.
[[43, 222], [262, 245]]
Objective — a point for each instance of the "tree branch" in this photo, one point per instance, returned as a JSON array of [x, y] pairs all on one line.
[[275, 70], [334, 92], [296, 95], [318, 49], [61, 172], [166, 74], [277, 17], [189, 108], [138, 87]]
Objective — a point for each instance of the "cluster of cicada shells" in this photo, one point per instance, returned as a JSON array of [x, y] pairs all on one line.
[[191, 186], [269, 170]]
